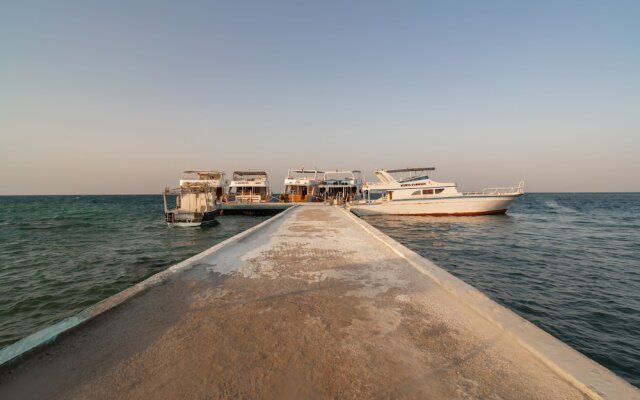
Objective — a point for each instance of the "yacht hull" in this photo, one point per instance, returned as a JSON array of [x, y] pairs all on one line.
[[183, 224], [459, 205], [187, 220]]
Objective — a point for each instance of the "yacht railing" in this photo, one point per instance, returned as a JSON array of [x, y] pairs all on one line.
[[498, 191], [247, 198]]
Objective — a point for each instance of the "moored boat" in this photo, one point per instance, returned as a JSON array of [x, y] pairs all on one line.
[[249, 187], [195, 199], [415, 193], [301, 186], [341, 186]]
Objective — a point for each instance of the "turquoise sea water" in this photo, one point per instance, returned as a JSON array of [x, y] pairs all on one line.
[[61, 254], [570, 263]]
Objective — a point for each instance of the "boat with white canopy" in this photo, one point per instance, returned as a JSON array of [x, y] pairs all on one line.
[[341, 186], [301, 186], [249, 187], [411, 191], [195, 200]]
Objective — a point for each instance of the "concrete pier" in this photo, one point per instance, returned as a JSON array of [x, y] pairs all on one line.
[[314, 303]]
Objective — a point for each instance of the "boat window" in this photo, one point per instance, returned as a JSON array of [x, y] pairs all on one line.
[[427, 191], [417, 192], [440, 190]]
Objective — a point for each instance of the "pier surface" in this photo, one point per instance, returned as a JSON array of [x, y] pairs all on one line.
[[313, 304]]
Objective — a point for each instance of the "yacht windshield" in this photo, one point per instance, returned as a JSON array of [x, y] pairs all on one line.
[[415, 178]]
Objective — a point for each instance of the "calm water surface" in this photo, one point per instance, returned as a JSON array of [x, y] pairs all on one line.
[[570, 263], [61, 254]]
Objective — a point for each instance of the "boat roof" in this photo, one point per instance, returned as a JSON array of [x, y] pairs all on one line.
[[238, 175], [386, 179], [204, 172], [306, 171], [391, 171], [245, 173], [341, 177], [346, 171]]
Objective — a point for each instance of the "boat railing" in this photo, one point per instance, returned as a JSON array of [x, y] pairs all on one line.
[[247, 198], [498, 191], [187, 189], [337, 182]]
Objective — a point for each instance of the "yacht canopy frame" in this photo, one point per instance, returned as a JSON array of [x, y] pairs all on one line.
[[239, 174]]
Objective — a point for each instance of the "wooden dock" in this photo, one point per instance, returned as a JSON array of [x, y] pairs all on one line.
[[314, 303]]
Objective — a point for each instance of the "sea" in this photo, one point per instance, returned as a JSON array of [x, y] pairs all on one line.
[[568, 262]]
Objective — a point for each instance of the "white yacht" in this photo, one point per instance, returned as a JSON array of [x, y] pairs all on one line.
[[411, 191], [249, 187], [301, 186], [196, 199], [341, 186]]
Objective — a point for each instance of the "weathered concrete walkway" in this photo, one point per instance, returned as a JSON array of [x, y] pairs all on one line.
[[312, 305]]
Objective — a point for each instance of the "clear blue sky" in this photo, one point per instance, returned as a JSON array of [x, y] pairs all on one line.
[[119, 97]]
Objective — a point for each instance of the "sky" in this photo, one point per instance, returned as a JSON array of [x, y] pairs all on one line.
[[115, 97]]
